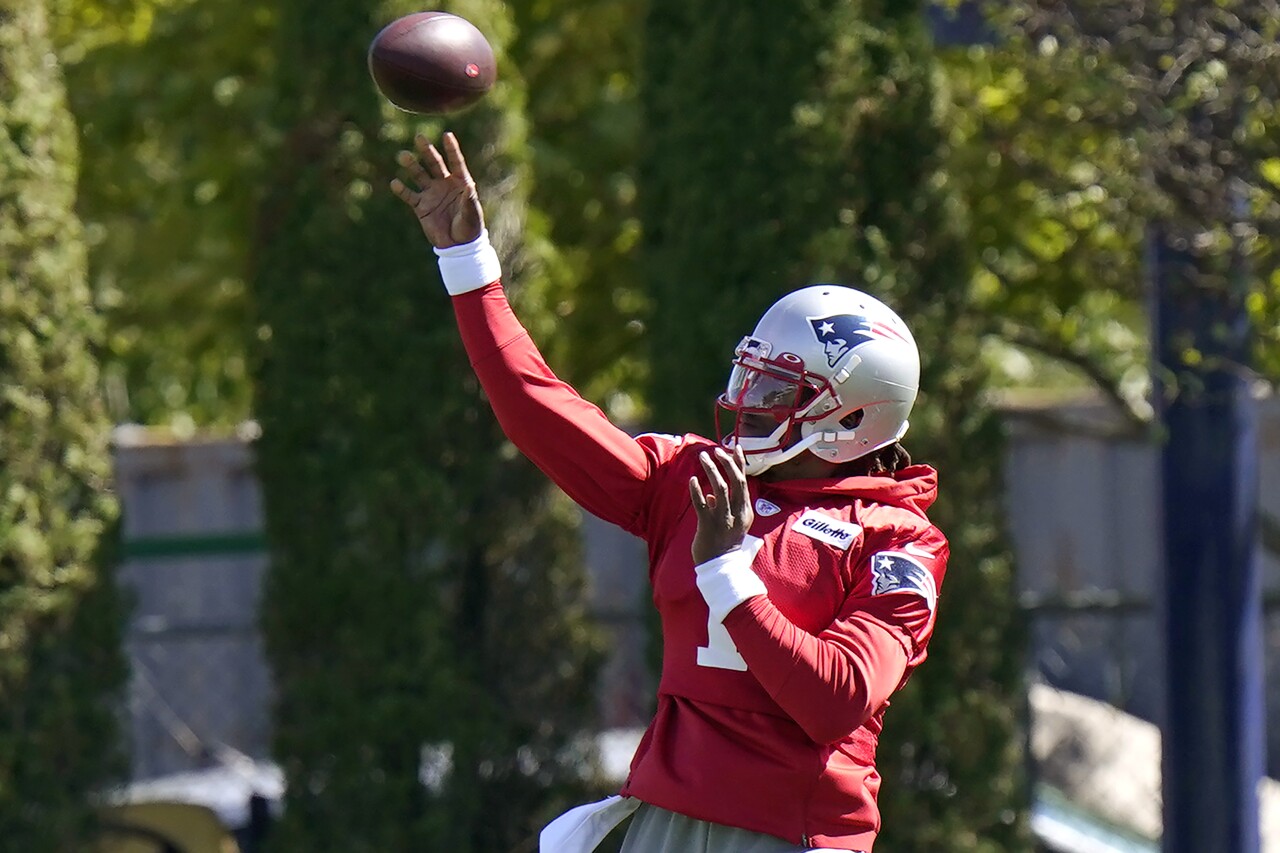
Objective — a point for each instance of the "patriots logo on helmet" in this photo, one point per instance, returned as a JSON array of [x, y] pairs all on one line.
[[840, 333]]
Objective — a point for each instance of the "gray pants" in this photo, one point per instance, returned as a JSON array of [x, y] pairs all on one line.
[[655, 830]]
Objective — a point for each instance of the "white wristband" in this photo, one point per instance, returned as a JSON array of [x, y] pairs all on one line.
[[469, 266], [727, 581]]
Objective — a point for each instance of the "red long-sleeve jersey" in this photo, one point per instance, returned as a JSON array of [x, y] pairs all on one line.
[[767, 721]]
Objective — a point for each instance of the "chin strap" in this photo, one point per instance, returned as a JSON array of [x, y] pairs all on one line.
[[758, 463]]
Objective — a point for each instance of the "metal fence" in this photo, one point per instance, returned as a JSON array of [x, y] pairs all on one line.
[[200, 687], [1095, 689], [1082, 509]]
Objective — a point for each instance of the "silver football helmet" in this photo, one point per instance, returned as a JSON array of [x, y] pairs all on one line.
[[828, 370]]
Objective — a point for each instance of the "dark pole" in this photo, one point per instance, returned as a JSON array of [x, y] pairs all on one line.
[[1213, 737]]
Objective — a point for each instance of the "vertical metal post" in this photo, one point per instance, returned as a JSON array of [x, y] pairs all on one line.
[[1213, 735]]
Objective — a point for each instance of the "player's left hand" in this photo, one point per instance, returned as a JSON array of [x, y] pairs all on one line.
[[724, 514]]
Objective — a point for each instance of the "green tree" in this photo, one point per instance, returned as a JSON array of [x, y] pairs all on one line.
[[1075, 130], [173, 99], [175, 163], [580, 63], [423, 611], [60, 664], [774, 161], [1087, 124]]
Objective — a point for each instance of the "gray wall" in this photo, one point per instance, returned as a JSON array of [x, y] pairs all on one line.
[[1082, 510]]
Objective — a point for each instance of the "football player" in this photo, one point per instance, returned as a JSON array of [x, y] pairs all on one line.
[[792, 562]]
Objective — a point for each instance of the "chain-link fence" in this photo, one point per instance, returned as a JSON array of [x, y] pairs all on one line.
[[1095, 701], [1094, 690], [199, 685], [1082, 503], [200, 690]]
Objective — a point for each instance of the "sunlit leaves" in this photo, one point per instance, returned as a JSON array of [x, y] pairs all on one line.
[[580, 63], [171, 99], [1055, 210], [1198, 87], [56, 507]]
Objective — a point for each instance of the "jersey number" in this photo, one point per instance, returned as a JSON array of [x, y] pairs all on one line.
[[720, 652]]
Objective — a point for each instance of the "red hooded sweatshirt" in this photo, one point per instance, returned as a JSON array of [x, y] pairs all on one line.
[[767, 721]]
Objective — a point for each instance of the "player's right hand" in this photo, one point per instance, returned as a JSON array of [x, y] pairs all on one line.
[[445, 202]]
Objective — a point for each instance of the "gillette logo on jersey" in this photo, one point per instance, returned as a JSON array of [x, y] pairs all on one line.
[[840, 333], [823, 527]]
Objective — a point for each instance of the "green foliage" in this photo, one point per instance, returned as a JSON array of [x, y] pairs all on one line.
[[173, 98], [61, 743], [776, 162], [60, 665], [580, 62], [423, 612], [1055, 202], [1078, 129], [725, 219]]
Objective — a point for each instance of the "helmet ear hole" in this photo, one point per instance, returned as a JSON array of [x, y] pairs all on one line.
[[853, 420]]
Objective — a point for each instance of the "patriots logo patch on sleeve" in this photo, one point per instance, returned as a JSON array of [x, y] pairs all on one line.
[[895, 572]]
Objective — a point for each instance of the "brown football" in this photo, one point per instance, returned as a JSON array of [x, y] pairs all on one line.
[[432, 63]]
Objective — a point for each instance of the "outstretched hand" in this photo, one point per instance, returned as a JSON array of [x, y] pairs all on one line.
[[724, 514], [445, 201]]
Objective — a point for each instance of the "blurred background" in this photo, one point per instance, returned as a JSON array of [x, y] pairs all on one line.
[[273, 579]]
